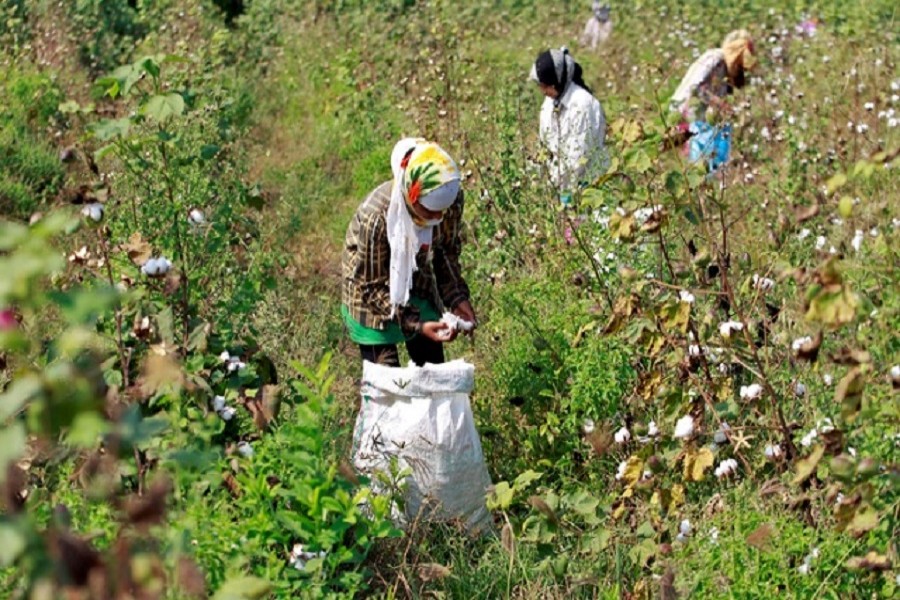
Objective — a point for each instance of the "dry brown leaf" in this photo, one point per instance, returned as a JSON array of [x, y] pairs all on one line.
[[191, 581], [137, 248], [149, 509], [667, 585], [508, 539], [760, 537], [432, 571]]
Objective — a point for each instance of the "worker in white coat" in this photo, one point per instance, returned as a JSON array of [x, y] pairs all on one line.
[[572, 123]]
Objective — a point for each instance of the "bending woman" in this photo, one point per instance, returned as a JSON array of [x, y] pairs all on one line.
[[400, 264], [572, 123]]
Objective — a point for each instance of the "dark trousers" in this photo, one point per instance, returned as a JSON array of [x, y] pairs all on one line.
[[421, 350]]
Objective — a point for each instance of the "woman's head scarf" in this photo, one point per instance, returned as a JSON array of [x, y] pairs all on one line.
[[423, 174], [738, 50], [557, 69]]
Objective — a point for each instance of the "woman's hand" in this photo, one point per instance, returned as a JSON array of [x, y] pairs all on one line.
[[438, 332], [465, 311]]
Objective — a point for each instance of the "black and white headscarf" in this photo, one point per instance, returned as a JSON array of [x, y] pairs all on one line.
[[555, 68]]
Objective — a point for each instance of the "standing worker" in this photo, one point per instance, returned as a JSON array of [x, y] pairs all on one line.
[[572, 123], [401, 259], [598, 27]]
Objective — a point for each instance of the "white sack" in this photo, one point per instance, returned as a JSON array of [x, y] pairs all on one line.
[[422, 416]]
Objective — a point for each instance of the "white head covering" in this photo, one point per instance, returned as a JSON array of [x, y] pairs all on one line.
[[415, 162]]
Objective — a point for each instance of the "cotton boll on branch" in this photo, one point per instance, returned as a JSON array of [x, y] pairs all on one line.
[[622, 436], [684, 428]]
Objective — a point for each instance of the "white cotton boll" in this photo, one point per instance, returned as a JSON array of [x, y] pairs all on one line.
[[873, 232], [763, 283], [684, 527], [681, 538], [826, 425], [620, 471], [652, 429], [723, 369], [227, 413], [803, 569], [751, 392], [892, 122], [245, 449], [686, 296], [857, 240], [766, 135], [800, 342], [218, 403], [588, 426], [150, 267], [773, 452], [196, 217], [814, 553], [93, 211], [622, 436], [809, 438], [721, 436], [804, 233], [684, 428], [729, 327], [870, 106], [225, 356], [820, 242], [827, 379], [693, 350], [862, 128], [647, 474], [714, 535], [895, 372], [799, 389]]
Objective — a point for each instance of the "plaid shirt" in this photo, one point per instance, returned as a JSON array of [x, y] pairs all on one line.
[[366, 265]]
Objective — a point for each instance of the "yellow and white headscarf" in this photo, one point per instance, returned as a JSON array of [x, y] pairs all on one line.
[[423, 174], [738, 50]]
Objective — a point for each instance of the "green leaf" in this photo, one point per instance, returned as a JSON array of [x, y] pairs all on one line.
[[845, 206], [162, 107], [109, 129], [86, 429], [19, 392], [849, 393], [524, 479], [208, 151], [501, 496], [149, 65], [12, 444], [807, 466], [836, 182], [244, 588], [12, 543], [638, 161]]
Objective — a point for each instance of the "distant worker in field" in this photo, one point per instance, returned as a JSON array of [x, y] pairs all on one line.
[[572, 123], [701, 98], [401, 260], [713, 76], [598, 27]]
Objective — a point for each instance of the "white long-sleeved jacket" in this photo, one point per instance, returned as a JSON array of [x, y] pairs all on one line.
[[574, 133]]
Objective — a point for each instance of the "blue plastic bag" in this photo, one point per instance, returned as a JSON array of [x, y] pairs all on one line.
[[710, 143]]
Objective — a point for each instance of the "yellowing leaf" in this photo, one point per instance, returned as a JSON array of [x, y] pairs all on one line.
[[864, 520], [696, 463], [634, 469], [836, 182], [849, 393], [807, 466]]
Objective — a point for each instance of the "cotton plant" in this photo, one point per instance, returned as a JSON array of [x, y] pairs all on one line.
[[93, 211], [221, 408], [232, 363], [751, 392], [156, 266], [684, 428], [726, 468]]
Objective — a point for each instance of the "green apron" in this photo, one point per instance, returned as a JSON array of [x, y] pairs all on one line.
[[392, 334]]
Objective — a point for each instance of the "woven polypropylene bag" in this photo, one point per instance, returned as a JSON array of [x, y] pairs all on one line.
[[421, 416]]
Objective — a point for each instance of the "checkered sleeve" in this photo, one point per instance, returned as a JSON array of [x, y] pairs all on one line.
[[451, 285]]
